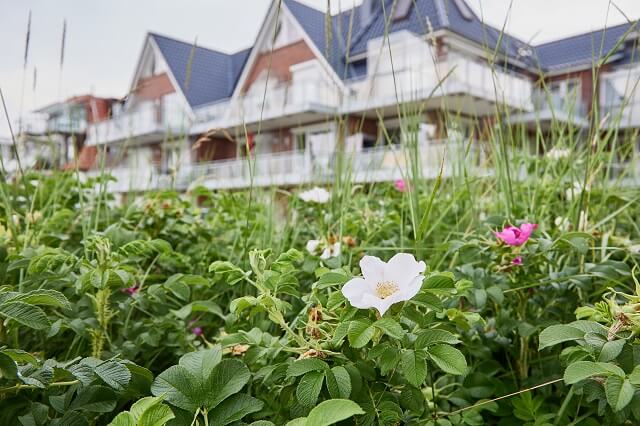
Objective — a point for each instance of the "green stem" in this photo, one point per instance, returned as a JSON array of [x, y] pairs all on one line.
[[564, 406], [19, 386]]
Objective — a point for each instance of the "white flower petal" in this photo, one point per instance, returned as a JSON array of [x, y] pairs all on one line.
[[372, 268], [355, 290], [326, 253], [412, 289], [312, 246], [402, 269]]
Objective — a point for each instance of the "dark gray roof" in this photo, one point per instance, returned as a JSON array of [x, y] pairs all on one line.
[[582, 49], [213, 74]]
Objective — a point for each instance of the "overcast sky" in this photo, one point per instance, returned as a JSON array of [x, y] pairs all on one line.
[[104, 38]]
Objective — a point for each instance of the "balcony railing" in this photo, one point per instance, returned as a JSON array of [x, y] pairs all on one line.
[[41, 124], [457, 75], [299, 167], [147, 120]]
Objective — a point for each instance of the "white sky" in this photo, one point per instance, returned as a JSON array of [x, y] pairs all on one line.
[[104, 38]]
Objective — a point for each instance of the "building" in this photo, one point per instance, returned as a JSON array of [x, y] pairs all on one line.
[[359, 83], [54, 136]]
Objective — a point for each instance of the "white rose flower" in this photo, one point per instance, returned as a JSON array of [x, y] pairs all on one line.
[[316, 195], [332, 250], [384, 284], [312, 246]]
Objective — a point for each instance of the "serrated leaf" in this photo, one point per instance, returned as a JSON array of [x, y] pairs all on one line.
[[557, 334], [179, 387], [611, 350], [44, 297], [414, 367], [25, 314], [234, 408], [582, 370], [309, 388], [201, 363], [96, 399], [619, 392], [123, 419], [303, 366], [338, 382], [332, 411], [360, 333], [431, 337], [226, 379], [449, 359], [114, 374], [390, 327]]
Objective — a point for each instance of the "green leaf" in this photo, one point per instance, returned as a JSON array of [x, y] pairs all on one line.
[[414, 367], [360, 333], [179, 387], [29, 315], [338, 382], [332, 278], [199, 306], [611, 350], [96, 399], [557, 334], [114, 374], [309, 388], [123, 419], [390, 327], [18, 355], [431, 337], [201, 363], [303, 366], [8, 367], [139, 407], [234, 408], [582, 370], [226, 272], [332, 411], [449, 359], [634, 377], [619, 392], [227, 378], [44, 297], [158, 415]]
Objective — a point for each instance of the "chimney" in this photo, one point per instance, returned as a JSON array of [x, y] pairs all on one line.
[[368, 11]]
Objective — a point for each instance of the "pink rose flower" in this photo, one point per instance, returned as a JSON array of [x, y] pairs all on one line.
[[131, 290], [517, 261], [514, 236], [400, 185]]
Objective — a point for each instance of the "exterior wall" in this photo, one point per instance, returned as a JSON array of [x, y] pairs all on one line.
[[154, 87], [280, 60], [587, 94]]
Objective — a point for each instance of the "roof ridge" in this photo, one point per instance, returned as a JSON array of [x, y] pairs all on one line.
[[603, 29]]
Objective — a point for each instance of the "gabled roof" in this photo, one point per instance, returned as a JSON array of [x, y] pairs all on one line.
[[581, 50], [213, 74], [424, 16]]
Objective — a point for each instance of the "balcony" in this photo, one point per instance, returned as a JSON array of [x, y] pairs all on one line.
[[43, 124], [285, 104], [148, 122], [297, 167], [466, 85]]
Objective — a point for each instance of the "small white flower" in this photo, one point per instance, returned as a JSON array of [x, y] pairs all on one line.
[[384, 284], [558, 153], [328, 250], [316, 195], [332, 250]]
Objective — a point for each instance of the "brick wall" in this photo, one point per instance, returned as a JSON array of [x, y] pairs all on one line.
[[154, 87], [280, 62], [214, 148]]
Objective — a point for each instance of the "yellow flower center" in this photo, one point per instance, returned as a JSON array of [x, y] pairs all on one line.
[[385, 289]]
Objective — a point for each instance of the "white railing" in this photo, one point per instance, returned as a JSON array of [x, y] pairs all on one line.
[[279, 101], [40, 124], [457, 75], [147, 119], [290, 168]]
